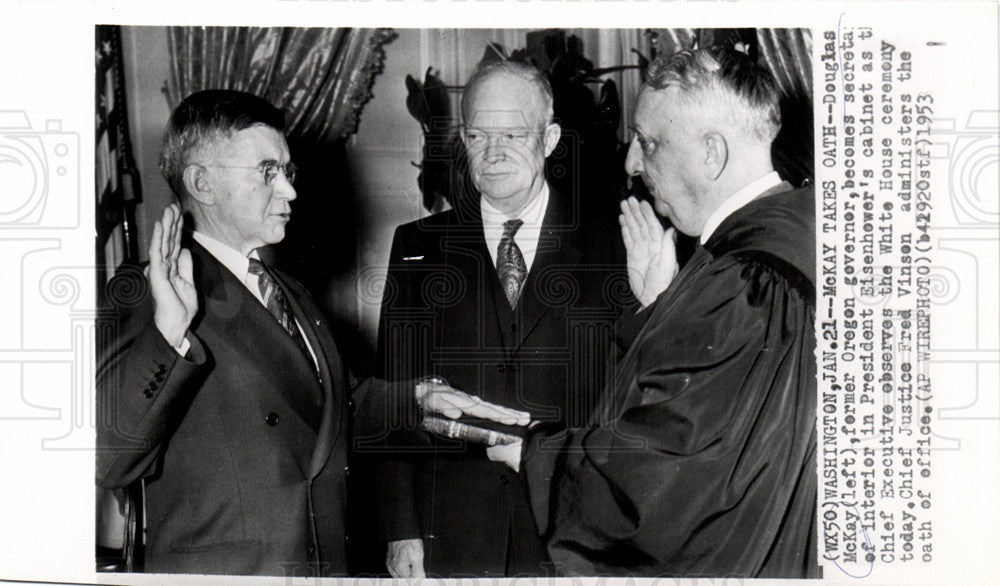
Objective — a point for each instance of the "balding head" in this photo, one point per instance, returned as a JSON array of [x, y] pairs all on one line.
[[537, 99], [508, 132]]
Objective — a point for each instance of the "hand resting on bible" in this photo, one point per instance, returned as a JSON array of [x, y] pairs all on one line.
[[436, 396]]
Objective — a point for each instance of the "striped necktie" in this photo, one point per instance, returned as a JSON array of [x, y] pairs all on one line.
[[277, 304]]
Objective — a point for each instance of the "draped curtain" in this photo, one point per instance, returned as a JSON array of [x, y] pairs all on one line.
[[454, 53], [787, 53], [612, 47], [320, 77]]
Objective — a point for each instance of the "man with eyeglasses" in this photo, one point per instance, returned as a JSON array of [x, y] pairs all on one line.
[[509, 298], [222, 389]]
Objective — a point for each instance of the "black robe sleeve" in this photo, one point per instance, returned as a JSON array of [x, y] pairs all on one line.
[[703, 464]]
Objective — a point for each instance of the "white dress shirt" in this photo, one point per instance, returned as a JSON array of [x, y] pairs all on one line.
[[738, 200], [230, 258], [527, 235], [239, 266]]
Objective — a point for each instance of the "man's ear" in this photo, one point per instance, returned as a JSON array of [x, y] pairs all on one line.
[[716, 154], [551, 136], [198, 185]]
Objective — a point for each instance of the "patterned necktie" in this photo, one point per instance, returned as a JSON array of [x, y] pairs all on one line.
[[510, 262], [274, 299]]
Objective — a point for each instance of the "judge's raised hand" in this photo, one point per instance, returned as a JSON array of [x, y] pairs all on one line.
[[175, 299], [436, 396], [405, 558], [650, 250]]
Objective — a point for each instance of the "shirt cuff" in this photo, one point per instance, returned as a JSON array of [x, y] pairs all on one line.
[[184, 347]]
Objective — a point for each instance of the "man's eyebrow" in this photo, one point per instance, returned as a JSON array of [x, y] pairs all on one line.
[[497, 128], [637, 131]]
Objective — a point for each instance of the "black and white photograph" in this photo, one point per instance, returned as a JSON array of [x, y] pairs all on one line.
[[593, 354], [573, 292]]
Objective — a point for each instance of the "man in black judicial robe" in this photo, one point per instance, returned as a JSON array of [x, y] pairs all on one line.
[[705, 462], [701, 461]]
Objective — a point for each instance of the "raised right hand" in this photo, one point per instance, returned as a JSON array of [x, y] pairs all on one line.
[[650, 250], [405, 558], [175, 300]]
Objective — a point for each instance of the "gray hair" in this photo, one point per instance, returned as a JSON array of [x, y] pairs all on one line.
[[724, 78], [204, 117], [528, 73]]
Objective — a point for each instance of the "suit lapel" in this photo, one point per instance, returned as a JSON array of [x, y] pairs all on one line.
[[555, 259], [255, 336], [329, 368], [464, 246], [556, 256]]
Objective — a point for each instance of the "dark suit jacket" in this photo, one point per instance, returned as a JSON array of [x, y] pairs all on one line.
[[444, 313], [243, 473]]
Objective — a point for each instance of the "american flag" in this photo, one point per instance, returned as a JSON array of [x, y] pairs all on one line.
[[116, 181]]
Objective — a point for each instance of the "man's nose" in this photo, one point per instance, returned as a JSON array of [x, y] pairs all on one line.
[[633, 161], [283, 188], [494, 149]]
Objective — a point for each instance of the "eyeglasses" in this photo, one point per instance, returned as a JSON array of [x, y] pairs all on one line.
[[269, 169]]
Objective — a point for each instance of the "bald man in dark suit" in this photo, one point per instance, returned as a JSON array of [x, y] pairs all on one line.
[[510, 298]]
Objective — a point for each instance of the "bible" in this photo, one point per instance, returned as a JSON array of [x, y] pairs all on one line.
[[479, 431]]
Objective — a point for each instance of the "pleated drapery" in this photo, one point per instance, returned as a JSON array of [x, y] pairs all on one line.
[[320, 77], [787, 53]]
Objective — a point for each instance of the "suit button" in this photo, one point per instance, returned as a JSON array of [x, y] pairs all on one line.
[[513, 328], [159, 377], [501, 367], [161, 368], [152, 386], [347, 470], [271, 419], [504, 479], [147, 393], [310, 550]]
